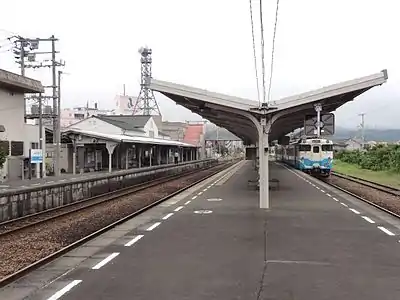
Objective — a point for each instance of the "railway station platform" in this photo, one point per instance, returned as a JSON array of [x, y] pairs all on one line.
[[213, 242]]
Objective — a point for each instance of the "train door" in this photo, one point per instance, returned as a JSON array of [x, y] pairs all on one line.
[[304, 156], [316, 154]]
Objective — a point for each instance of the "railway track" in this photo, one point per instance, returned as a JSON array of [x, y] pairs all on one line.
[[32, 241], [380, 196], [384, 188]]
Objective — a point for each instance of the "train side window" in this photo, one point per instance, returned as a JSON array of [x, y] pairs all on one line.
[[315, 149], [327, 147], [305, 148]]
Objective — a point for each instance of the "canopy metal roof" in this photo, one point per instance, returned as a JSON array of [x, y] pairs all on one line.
[[238, 114]]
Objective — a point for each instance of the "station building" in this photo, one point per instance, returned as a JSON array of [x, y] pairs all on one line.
[[17, 137]]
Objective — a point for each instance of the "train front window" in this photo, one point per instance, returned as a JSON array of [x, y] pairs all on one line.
[[305, 148], [315, 149], [327, 147]]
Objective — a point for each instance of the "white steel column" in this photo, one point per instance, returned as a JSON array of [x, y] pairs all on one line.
[[264, 169], [110, 148]]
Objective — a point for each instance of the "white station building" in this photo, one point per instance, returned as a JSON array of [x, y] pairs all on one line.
[[17, 137]]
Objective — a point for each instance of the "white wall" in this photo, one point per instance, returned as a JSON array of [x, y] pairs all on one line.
[[151, 126], [12, 117], [94, 124]]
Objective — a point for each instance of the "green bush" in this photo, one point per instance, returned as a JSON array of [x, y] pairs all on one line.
[[377, 158], [3, 157]]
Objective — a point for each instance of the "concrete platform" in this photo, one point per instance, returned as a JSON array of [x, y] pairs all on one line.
[[215, 243]]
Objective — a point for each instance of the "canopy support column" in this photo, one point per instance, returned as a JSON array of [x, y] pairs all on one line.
[[263, 154]]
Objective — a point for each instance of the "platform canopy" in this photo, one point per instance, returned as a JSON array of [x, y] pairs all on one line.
[[238, 114]]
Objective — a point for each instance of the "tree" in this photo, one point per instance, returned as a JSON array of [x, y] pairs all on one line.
[[3, 157]]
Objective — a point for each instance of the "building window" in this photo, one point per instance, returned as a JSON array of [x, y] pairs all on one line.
[[17, 148], [5, 146], [34, 145]]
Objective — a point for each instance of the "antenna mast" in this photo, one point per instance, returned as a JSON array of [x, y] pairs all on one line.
[[146, 103]]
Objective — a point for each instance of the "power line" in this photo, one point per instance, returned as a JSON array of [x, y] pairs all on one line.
[[262, 49], [254, 53], [273, 50]]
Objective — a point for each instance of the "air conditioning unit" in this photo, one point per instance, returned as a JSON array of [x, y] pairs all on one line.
[[35, 109], [47, 110]]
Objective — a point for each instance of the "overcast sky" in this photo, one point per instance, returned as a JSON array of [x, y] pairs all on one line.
[[208, 44]]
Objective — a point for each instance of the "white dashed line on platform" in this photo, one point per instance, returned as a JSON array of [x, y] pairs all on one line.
[[178, 208], [329, 195], [105, 261], [168, 216], [368, 219], [322, 191], [388, 232], [200, 193], [64, 290], [194, 197], [187, 202], [354, 211], [344, 204], [335, 199], [134, 240], [153, 226]]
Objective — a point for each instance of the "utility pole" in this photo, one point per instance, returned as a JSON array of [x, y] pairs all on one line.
[[41, 132], [56, 130], [58, 126], [362, 130], [21, 52]]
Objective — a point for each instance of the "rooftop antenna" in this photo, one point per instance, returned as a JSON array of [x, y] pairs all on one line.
[[146, 103]]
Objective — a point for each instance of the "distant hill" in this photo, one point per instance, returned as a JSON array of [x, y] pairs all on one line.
[[384, 135]]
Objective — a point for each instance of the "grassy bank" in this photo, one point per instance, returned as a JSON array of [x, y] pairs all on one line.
[[383, 177]]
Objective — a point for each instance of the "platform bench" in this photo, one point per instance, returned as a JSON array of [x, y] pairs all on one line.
[[255, 183]]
